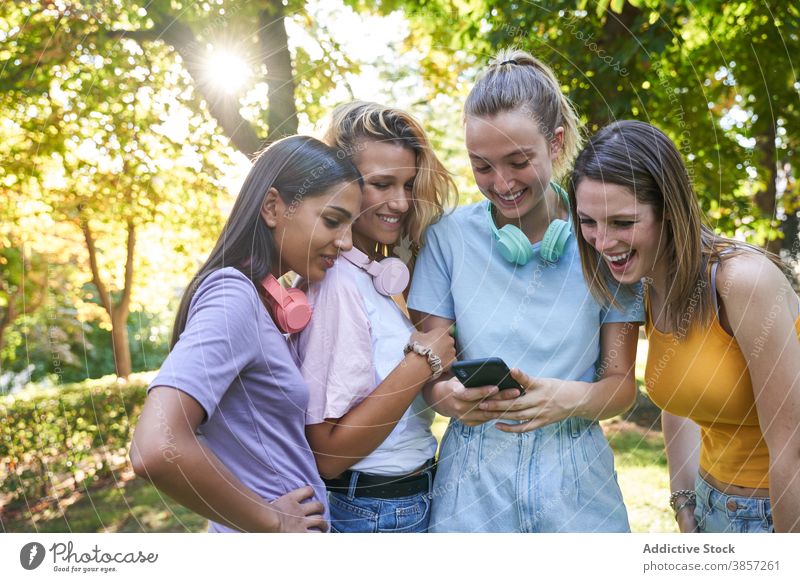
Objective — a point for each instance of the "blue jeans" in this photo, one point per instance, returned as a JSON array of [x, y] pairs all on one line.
[[559, 478], [717, 512], [351, 514]]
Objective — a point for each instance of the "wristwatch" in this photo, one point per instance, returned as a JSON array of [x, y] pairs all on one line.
[[434, 361]]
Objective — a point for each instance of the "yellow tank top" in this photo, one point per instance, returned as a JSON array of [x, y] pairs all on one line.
[[704, 377]]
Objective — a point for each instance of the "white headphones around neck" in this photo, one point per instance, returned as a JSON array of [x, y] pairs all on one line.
[[390, 276]]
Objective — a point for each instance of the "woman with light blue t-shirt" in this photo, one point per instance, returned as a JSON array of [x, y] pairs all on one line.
[[222, 429], [364, 362], [507, 272]]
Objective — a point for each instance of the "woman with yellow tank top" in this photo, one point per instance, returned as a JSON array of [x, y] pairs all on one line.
[[722, 320]]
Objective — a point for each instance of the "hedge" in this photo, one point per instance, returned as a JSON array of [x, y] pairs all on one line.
[[51, 439]]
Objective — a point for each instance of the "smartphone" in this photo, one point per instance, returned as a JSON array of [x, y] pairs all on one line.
[[485, 372]]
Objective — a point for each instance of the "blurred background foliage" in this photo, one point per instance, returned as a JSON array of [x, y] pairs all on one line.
[[127, 126]]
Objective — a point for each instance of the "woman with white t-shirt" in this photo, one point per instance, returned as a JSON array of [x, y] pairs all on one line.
[[365, 365]]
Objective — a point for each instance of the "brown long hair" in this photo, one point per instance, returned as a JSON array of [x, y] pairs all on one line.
[[433, 191], [297, 167], [644, 160], [515, 80]]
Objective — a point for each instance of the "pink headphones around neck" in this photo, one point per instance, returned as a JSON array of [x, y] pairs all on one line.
[[389, 276], [289, 307]]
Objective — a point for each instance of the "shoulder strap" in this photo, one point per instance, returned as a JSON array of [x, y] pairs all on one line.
[[714, 266]]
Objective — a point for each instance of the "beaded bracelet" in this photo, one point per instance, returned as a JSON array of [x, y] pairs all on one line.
[[434, 361], [691, 499], [685, 504]]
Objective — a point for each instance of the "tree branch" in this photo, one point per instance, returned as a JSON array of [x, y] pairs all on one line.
[[105, 297], [222, 106], [140, 36], [274, 42], [125, 302]]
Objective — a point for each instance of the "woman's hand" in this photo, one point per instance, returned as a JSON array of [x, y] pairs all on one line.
[[166, 451], [546, 400], [440, 342], [686, 521], [298, 515], [451, 398]]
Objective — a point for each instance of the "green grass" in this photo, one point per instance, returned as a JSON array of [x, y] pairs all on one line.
[[130, 505], [643, 477], [133, 505]]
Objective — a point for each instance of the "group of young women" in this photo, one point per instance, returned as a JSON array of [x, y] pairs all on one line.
[[265, 417]]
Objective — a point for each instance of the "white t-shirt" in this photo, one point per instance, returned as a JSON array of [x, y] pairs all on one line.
[[355, 339]]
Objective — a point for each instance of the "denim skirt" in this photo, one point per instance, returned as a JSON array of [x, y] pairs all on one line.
[[558, 478], [717, 512]]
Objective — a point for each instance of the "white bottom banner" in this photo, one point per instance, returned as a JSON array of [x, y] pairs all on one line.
[[441, 557]]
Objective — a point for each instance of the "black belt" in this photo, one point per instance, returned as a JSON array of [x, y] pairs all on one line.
[[381, 486]]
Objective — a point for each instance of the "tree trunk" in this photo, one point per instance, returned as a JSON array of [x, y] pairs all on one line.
[[767, 200], [274, 43], [119, 341], [615, 26], [791, 225], [117, 312]]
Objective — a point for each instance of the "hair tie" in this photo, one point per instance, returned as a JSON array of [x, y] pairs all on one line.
[[509, 62]]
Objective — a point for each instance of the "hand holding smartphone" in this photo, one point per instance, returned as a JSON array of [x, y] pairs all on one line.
[[485, 372]]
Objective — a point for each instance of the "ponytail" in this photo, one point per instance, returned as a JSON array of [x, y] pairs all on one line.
[[516, 80]]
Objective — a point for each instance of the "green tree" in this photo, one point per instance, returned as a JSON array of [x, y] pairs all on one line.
[[109, 157], [129, 126], [23, 284], [717, 77]]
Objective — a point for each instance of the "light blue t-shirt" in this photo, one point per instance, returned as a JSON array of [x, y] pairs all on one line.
[[540, 317]]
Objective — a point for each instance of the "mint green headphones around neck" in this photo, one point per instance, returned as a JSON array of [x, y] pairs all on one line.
[[515, 247]]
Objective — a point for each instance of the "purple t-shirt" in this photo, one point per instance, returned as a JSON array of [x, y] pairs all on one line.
[[235, 362]]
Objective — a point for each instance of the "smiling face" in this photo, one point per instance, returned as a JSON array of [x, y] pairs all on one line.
[[389, 170], [628, 234], [310, 234], [512, 162]]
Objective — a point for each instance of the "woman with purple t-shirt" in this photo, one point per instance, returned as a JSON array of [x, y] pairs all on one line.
[[222, 430]]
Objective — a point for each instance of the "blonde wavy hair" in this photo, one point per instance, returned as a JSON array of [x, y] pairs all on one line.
[[515, 80], [434, 190]]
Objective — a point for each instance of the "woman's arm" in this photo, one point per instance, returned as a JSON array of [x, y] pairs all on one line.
[[165, 451], [761, 308], [447, 396], [340, 443], [682, 443], [549, 400]]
